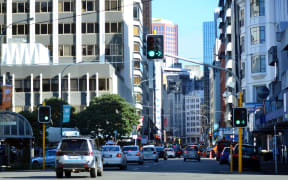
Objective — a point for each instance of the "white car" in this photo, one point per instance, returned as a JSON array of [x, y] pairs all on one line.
[[133, 154], [170, 152], [114, 156], [150, 153]]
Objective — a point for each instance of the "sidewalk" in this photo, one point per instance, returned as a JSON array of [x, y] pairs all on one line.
[[268, 167]]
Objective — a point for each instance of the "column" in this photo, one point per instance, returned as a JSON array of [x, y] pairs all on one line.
[[31, 93], [13, 92], [59, 86], [41, 88], [87, 90], [32, 23], [102, 31], [9, 20], [69, 89], [97, 84], [55, 33], [78, 32], [4, 79]]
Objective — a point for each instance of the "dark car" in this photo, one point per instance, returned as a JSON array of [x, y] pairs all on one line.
[[179, 153], [250, 157], [224, 155], [192, 152], [161, 152]]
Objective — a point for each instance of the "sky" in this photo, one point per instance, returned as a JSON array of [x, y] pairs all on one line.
[[189, 15]]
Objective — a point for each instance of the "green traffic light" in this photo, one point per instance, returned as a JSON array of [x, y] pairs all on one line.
[[46, 118], [151, 53], [237, 122], [243, 122], [158, 53]]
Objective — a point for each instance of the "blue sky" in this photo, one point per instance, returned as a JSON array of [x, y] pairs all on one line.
[[189, 15]]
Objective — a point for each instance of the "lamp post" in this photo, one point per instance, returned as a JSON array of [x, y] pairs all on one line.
[[4, 30]]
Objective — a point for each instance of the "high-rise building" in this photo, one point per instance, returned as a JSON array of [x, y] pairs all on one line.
[[208, 46], [95, 48], [170, 33]]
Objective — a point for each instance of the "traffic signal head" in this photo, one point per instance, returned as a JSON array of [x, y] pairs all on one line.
[[44, 114], [155, 49], [239, 117]]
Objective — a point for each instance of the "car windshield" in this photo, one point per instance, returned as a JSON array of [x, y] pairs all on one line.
[[130, 149], [148, 149], [111, 148], [74, 145]]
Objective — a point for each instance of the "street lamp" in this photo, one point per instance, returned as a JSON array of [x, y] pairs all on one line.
[[4, 30]]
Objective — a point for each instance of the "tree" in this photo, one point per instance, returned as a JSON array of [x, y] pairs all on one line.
[[106, 114]]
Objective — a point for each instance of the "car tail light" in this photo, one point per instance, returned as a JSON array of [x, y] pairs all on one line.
[[154, 152], [185, 152], [137, 154], [90, 153], [59, 153], [119, 155], [172, 151], [198, 152], [235, 155], [254, 157], [222, 154], [85, 165], [61, 165]]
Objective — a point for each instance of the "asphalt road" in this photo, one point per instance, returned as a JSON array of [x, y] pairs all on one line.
[[172, 169]]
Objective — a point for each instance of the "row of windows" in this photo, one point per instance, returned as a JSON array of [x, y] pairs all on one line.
[[197, 130], [69, 50], [113, 5], [69, 28], [193, 124], [168, 29], [76, 84]]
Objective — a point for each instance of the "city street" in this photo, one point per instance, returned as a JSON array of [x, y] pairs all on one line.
[[171, 169]]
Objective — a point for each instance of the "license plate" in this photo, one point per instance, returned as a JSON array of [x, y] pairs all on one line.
[[107, 156], [74, 157]]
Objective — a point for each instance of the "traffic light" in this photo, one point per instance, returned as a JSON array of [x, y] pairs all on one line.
[[239, 117], [44, 114], [155, 49]]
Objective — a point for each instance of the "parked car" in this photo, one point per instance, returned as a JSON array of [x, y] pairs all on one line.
[[50, 159], [250, 157], [78, 154], [150, 153], [192, 152], [224, 155], [133, 154], [161, 152], [170, 152], [114, 156]]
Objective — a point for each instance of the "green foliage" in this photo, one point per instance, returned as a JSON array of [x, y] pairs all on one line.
[[106, 114]]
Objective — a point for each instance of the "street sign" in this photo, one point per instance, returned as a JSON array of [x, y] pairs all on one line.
[[66, 113]]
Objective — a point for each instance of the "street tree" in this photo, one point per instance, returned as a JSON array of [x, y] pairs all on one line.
[[106, 114]]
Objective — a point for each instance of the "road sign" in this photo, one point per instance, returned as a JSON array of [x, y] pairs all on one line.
[[66, 113]]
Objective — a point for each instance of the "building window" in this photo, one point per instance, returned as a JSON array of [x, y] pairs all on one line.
[[66, 28], [242, 16], [258, 64], [242, 44], [43, 29], [92, 83], [90, 5], [54, 84], [74, 84], [66, 6], [90, 28], [113, 5], [115, 49], [136, 12], [113, 27], [90, 50], [258, 90], [136, 47], [43, 7], [136, 31], [66, 50], [19, 86], [2, 8], [19, 29], [257, 8], [258, 35], [137, 80]]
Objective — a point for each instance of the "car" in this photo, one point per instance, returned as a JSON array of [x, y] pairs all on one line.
[[170, 152], [250, 157], [179, 153], [210, 150], [50, 159], [150, 153], [224, 155], [161, 152], [114, 156], [192, 152], [78, 154], [133, 154]]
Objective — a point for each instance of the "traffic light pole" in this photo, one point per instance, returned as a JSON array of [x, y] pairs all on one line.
[[43, 138], [239, 103]]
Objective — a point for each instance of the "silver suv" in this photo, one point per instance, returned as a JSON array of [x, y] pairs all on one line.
[[78, 154]]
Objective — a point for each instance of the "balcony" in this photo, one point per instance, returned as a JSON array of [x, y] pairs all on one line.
[[228, 47], [229, 64], [272, 56], [228, 13], [229, 30], [230, 82]]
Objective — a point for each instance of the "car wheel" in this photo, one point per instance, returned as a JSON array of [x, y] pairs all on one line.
[[67, 174], [156, 160], [35, 165], [123, 167], [100, 171], [93, 173], [141, 162], [199, 160], [184, 159], [59, 172], [165, 158]]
